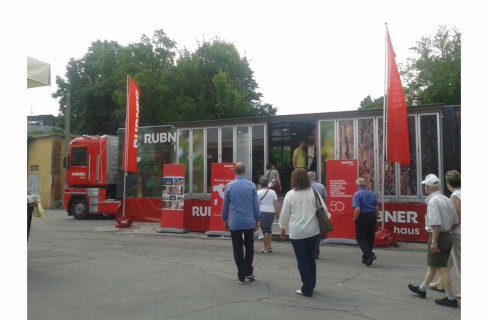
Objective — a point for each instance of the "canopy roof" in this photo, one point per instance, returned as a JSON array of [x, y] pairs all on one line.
[[38, 73]]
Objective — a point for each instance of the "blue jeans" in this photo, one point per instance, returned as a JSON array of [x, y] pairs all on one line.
[[304, 252], [243, 258]]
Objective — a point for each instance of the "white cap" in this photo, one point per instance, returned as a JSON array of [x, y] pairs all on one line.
[[431, 180]]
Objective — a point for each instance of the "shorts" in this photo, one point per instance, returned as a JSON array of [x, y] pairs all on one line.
[[444, 244], [267, 219]]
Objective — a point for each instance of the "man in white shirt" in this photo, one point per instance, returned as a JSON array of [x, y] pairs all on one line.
[[439, 220]]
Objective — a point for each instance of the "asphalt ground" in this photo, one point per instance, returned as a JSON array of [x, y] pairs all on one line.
[[91, 270]]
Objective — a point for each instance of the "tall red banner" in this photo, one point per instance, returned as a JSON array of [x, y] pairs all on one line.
[[129, 156], [398, 146], [341, 186], [222, 173]]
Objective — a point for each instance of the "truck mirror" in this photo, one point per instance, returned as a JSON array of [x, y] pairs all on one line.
[[66, 162]]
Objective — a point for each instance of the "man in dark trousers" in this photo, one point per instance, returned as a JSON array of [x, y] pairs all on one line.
[[241, 215], [366, 211]]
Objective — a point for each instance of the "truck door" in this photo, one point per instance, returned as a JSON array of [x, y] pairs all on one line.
[[78, 170]]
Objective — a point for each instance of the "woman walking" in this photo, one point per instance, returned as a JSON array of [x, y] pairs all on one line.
[[270, 208], [298, 214]]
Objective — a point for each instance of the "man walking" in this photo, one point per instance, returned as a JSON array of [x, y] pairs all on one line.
[[439, 220], [366, 211], [320, 188], [241, 215]]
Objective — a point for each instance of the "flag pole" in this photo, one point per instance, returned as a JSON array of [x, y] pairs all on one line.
[[126, 149], [384, 130]]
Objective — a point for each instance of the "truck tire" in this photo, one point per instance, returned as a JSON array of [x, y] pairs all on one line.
[[79, 209]]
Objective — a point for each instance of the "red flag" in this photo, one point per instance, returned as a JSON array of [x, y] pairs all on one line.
[[398, 145], [129, 157]]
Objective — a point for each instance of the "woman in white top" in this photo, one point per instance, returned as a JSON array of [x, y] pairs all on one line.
[[453, 181], [298, 214], [270, 208]]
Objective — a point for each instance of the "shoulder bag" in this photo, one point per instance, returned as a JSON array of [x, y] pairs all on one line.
[[324, 223]]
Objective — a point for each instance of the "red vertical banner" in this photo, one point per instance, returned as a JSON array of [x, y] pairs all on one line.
[[398, 146], [173, 198], [129, 156], [341, 186], [222, 173]]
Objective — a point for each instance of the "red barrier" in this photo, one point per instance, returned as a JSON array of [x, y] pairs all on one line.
[[197, 215]]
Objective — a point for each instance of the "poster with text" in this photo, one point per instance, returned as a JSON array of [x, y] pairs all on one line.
[[222, 173], [341, 186]]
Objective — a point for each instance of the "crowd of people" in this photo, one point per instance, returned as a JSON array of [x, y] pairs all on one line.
[[247, 209]]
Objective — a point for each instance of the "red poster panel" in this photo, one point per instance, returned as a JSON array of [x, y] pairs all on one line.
[[406, 220], [341, 186], [222, 173], [129, 156], [197, 215], [173, 196]]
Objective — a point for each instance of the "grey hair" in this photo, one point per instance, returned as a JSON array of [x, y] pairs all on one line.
[[361, 182], [312, 175]]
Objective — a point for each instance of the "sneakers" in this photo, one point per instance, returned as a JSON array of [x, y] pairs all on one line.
[[250, 277], [264, 251], [447, 303], [299, 291], [239, 281], [416, 290]]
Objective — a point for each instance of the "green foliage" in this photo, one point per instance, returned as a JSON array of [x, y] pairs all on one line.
[[369, 103], [434, 76], [214, 82]]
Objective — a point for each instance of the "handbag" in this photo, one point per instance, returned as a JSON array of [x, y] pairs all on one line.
[[324, 222]]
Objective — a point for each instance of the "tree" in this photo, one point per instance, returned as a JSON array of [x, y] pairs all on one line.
[[369, 103], [434, 76], [213, 82]]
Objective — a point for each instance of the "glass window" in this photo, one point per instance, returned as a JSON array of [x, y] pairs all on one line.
[[78, 156], [184, 154], [408, 174], [258, 164], [227, 144], [346, 139], [212, 153], [366, 152], [327, 146], [429, 149], [242, 148], [390, 180], [197, 162]]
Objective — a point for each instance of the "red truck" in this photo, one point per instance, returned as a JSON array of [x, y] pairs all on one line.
[[91, 175]]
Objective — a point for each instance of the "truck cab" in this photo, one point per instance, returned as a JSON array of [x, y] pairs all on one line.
[[91, 176]]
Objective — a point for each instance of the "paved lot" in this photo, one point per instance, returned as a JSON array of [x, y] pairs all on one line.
[[91, 270]]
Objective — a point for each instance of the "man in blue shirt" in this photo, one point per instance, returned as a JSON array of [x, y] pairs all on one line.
[[366, 211], [241, 214]]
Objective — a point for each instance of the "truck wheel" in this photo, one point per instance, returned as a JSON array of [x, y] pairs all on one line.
[[79, 209]]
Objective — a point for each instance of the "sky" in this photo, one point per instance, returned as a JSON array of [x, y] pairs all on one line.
[[307, 56]]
